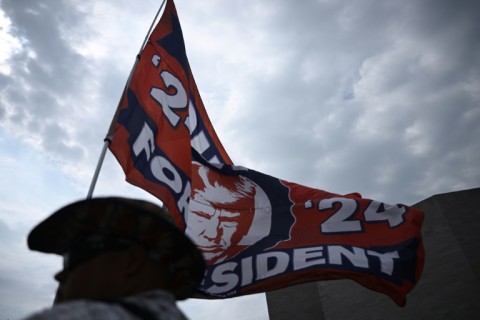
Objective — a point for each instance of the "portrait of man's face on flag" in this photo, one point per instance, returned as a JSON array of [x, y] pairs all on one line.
[[226, 213]]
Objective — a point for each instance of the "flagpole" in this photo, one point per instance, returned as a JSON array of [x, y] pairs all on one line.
[[109, 137]]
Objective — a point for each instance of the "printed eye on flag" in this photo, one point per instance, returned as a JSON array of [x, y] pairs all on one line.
[[257, 233]]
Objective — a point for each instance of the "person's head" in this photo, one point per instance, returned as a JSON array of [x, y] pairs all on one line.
[[226, 214], [115, 247]]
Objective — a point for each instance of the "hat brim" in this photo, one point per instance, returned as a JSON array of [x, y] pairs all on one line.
[[118, 217]]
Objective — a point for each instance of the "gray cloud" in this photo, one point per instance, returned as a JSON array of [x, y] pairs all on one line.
[[47, 74], [380, 97], [369, 97]]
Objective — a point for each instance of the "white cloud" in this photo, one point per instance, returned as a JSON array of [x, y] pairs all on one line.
[[376, 97], [10, 44]]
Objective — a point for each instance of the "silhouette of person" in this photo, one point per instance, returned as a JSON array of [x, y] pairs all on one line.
[[123, 259]]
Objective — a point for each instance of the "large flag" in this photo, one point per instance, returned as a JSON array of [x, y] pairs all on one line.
[[257, 233]]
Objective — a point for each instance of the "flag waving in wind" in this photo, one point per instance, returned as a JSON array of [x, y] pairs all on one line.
[[256, 232]]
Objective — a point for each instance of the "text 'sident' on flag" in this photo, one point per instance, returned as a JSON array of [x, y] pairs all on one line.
[[257, 232]]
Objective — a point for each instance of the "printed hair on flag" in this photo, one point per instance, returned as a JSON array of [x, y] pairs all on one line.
[[256, 232], [161, 117]]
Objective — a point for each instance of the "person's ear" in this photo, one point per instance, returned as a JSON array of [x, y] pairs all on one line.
[[135, 259]]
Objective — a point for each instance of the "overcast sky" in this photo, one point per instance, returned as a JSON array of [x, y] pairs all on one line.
[[374, 96]]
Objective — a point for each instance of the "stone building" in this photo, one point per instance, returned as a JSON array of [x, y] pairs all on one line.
[[448, 289]]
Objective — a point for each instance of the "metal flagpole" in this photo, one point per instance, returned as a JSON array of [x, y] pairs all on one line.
[[108, 138]]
